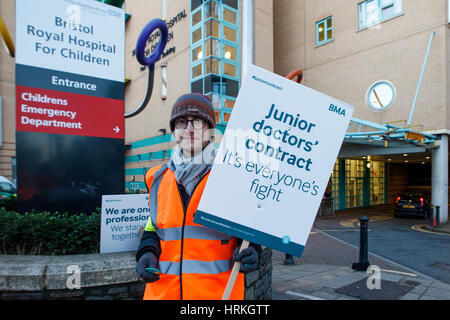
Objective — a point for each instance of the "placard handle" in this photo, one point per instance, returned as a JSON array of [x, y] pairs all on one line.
[[234, 273]]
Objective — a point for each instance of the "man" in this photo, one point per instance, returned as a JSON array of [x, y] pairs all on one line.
[[195, 261]]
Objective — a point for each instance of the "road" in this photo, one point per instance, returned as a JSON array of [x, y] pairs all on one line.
[[395, 239]]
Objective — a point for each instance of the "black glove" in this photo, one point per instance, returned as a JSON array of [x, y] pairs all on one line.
[[248, 258], [147, 260]]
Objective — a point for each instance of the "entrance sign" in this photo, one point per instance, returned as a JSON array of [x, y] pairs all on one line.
[[122, 217], [69, 103], [274, 162]]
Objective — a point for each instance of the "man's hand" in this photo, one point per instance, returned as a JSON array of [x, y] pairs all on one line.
[[147, 260], [248, 258]]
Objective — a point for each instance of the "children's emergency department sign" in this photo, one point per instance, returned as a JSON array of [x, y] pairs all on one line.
[[274, 162], [122, 217]]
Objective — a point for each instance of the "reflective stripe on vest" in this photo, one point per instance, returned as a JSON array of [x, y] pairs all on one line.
[[196, 266], [192, 232]]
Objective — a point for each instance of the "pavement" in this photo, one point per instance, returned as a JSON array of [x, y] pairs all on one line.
[[324, 272]]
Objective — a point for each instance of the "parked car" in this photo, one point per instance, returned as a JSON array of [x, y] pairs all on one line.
[[7, 188], [412, 203]]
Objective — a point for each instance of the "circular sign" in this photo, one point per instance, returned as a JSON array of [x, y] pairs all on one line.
[[142, 42], [381, 95]]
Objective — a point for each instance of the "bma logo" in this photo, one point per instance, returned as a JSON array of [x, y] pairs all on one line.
[[336, 109]]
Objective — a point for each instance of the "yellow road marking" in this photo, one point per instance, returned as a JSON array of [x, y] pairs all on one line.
[[354, 223], [418, 227]]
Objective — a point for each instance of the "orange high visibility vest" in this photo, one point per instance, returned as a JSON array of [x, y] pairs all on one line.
[[195, 261]]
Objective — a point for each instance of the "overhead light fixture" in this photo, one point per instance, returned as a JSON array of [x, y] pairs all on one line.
[[428, 158], [200, 55], [405, 154], [228, 55], [368, 165], [423, 162], [389, 159], [406, 161]]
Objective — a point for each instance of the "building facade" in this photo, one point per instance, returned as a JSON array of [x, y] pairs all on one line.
[[384, 57]]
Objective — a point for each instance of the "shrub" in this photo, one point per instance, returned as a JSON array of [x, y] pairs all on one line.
[[49, 233], [9, 203]]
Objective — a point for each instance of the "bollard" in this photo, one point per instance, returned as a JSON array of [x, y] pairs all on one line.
[[363, 263], [437, 223], [431, 216], [288, 259]]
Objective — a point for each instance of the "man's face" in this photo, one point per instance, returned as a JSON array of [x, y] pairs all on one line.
[[191, 134]]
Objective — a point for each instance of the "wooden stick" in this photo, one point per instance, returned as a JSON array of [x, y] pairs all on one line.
[[234, 273]]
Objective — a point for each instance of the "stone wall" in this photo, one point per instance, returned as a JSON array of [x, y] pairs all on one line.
[[258, 284], [326, 208], [109, 276]]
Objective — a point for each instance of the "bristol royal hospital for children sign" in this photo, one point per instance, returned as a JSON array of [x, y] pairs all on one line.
[[69, 103], [274, 162]]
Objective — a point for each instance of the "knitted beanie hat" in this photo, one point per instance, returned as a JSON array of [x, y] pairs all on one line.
[[195, 105]]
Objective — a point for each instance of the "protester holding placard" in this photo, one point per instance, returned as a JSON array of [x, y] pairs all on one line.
[[178, 258]]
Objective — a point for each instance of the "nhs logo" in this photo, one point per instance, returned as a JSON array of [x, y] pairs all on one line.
[[336, 109]]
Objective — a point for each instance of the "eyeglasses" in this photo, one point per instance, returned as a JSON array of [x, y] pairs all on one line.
[[182, 123]]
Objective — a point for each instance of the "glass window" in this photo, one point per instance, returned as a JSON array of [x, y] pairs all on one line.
[[197, 35], [387, 12], [226, 116], [229, 52], [377, 182], [372, 12], [227, 103], [335, 184], [229, 34], [195, 3], [231, 3], [197, 53], [229, 70], [229, 16], [230, 87], [212, 65], [375, 11], [321, 31], [217, 115], [196, 17], [354, 180], [212, 10], [212, 47], [212, 28], [324, 30], [197, 71], [197, 86]]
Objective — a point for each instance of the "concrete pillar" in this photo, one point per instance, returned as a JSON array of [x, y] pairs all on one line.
[[439, 177]]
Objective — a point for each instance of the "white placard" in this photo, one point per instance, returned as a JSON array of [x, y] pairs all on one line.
[[76, 36], [274, 162], [122, 217]]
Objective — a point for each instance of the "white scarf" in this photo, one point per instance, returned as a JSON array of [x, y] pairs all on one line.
[[189, 171]]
